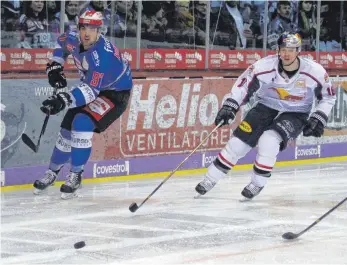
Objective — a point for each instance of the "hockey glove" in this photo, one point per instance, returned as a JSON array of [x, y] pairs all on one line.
[[315, 124], [56, 103], [228, 112], [56, 76]]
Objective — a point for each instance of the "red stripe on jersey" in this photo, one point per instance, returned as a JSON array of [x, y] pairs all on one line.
[[262, 166], [224, 160], [315, 79], [265, 72]]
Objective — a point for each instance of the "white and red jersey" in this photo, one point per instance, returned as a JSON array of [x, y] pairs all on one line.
[[296, 94]]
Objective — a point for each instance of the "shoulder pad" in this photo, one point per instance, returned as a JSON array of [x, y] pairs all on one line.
[[265, 64], [106, 49], [313, 67]]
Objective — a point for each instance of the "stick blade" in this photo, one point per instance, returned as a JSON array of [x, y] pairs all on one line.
[[29, 142], [289, 236], [133, 207]]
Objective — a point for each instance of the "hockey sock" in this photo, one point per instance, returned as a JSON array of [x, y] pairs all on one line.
[[81, 141], [62, 150], [268, 149], [227, 158]]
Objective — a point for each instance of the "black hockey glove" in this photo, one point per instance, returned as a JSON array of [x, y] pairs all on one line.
[[56, 76], [227, 113], [56, 103], [315, 124]]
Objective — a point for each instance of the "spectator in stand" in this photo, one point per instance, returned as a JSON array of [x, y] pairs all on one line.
[[154, 22], [125, 19], [252, 15], [9, 15], [223, 28], [10, 12], [53, 7], [198, 9], [331, 17], [180, 23], [70, 16], [34, 26], [307, 24], [344, 29], [326, 42], [281, 23]]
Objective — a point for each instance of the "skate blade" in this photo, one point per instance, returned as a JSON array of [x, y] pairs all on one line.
[[68, 196], [244, 199], [38, 192], [197, 196]]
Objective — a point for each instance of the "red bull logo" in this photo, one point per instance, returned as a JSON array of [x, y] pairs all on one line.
[[284, 95]]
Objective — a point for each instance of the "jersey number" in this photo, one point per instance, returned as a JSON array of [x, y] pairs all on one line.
[[96, 80]]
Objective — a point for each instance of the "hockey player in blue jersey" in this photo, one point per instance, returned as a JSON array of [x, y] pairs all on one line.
[[99, 100]]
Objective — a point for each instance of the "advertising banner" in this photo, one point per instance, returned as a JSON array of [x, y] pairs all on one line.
[[333, 60], [36, 59], [226, 59], [158, 59], [169, 117], [161, 59]]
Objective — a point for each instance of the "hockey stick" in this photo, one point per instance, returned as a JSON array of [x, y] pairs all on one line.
[[290, 235], [134, 207], [26, 139]]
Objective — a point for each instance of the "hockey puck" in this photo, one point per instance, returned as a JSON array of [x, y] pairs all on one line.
[[80, 244]]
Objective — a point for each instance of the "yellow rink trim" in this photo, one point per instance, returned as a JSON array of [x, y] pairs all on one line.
[[184, 172]]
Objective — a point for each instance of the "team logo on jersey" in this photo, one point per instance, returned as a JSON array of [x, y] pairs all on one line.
[[96, 58], [107, 46], [300, 83], [284, 95], [246, 127]]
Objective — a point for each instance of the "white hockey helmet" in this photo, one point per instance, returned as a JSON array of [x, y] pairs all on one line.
[[289, 40], [91, 17]]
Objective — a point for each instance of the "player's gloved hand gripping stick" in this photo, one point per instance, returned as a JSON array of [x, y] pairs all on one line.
[[56, 79]]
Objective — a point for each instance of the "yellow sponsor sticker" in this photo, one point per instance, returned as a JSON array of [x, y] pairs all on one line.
[[246, 127]]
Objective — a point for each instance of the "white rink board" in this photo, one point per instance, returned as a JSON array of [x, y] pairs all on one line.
[[174, 228]]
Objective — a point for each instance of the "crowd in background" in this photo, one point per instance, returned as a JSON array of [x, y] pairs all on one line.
[[180, 24]]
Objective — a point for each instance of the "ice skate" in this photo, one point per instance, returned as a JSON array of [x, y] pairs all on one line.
[[250, 191], [204, 186], [72, 183], [42, 184]]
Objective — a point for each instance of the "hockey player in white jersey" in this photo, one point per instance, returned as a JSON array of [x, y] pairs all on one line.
[[285, 87]]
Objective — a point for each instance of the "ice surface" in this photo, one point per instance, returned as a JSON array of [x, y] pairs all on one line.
[[174, 228]]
